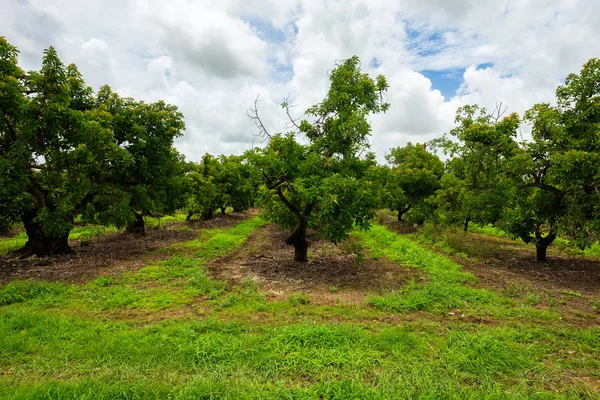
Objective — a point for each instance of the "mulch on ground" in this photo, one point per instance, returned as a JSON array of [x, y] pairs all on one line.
[[112, 253], [332, 275]]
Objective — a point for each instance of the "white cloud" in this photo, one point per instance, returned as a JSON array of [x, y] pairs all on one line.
[[212, 57]]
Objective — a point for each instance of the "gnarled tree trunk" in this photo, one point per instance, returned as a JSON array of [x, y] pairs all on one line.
[[541, 246], [298, 239], [40, 243], [137, 226]]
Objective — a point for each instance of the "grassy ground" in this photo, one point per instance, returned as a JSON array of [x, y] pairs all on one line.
[[171, 330]]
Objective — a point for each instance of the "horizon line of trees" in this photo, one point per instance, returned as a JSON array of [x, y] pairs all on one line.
[[67, 151]]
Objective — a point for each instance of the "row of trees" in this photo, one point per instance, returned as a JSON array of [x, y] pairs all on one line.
[[67, 151], [534, 189]]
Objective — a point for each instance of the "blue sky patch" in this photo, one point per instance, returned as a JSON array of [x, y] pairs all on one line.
[[446, 81], [374, 63], [266, 30]]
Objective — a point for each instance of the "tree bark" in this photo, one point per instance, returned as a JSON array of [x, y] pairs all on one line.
[[466, 225], [223, 209], [541, 245], [401, 212], [39, 243], [189, 215], [137, 226], [298, 239]]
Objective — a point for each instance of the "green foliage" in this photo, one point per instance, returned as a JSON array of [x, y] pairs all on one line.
[[413, 179], [322, 185], [217, 183], [65, 151], [476, 187]]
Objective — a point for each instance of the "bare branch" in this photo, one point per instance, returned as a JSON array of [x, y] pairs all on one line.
[[252, 113], [287, 107], [497, 112]]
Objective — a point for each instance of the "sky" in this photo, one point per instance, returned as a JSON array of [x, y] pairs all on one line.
[[212, 58]]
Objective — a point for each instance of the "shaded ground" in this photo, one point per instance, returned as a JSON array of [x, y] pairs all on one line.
[[115, 252], [331, 276], [509, 267]]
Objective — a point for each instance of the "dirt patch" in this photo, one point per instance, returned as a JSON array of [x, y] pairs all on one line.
[[330, 277], [569, 282], [113, 253]]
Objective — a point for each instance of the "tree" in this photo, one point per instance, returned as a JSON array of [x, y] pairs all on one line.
[[321, 184], [204, 196], [155, 180], [57, 151], [414, 177], [558, 170], [476, 187], [241, 183], [544, 187], [63, 152]]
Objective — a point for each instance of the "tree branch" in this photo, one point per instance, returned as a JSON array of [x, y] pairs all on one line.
[[289, 205], [252, 113], [286, 105]]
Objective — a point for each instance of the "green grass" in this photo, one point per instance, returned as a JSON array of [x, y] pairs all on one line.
[[441, 289], [171, 330], [219, 359]]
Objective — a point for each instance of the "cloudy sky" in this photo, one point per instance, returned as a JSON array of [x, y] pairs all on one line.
[[213, 57]]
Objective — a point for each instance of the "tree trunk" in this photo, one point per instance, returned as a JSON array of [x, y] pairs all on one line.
[[223, 209], [207, 214], [39, 243], [189, 215], [137, 226], [541, 245], [401, 212], [466, 226], [298, 239]]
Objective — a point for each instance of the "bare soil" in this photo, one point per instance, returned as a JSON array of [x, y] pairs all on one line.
[[331, 276], [113, 253]]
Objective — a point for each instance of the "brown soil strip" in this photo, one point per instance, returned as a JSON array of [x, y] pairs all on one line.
[[330, 277], [109, 254]]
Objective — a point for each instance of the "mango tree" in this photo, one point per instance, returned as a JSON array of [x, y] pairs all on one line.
[[559, 169], [63, 152], [414, 177], [154, 181], [321, 184], [476, 186]]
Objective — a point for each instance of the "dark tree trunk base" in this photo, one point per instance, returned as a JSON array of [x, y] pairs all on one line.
[[298, 239], [540, 254], [44, 246], [207, 214], [466, 225], [137, 226], [39, 243], [223, 210]]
